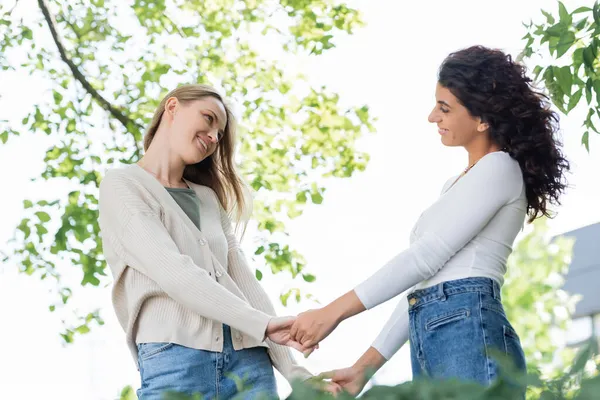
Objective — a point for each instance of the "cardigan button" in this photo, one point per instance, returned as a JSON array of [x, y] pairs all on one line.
[[219, 274], [202, 242]]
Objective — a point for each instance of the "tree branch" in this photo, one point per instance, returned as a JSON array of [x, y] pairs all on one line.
[[127, 122], [13, 8]]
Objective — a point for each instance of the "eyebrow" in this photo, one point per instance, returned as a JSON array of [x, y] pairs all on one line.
[[442, 102]]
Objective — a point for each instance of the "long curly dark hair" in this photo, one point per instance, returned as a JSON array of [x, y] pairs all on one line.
[[496, 89]]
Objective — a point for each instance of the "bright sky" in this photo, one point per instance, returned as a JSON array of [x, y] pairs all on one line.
[[390, 65]]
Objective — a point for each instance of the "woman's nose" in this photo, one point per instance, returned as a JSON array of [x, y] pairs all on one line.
[[213, 136], [433, 117]]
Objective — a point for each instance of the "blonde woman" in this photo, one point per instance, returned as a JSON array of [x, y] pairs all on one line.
[[193, 313]]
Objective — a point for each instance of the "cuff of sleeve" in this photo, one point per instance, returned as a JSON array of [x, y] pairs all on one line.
[[297, 373], [387, 352], [256, 325], [362, 291]]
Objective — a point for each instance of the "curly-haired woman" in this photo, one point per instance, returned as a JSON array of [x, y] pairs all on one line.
[[456, 261]]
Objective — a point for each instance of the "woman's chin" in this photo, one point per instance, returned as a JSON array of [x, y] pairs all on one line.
[[195, 158], [447, 142]]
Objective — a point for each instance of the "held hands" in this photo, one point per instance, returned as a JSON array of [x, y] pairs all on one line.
[[278, 331], [313, 326], [351, 380]]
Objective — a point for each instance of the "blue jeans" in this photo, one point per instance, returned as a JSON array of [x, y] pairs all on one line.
[[171, 367], [453, 328]]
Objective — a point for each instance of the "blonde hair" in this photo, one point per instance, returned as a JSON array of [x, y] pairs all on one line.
[[217, 171]]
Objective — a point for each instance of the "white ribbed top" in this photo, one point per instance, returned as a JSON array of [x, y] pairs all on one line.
[[468, 232]]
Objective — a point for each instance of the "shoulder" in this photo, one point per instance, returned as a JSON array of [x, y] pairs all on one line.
[[121, 175], [498, 172], [500, 159], [498, 165], [124, 185]]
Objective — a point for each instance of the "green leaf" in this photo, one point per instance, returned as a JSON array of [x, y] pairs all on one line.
[[581, 9], [82, 329], [577, 58], [588, 90], [57, 97], [584, 355], [259, 275], [564, 78], [585, 140], [537, 70], [574, 100], [128, 393], [27, 33], [564, 15], [309, 277], [596, 12], [43, 216], [556, 31], [596, 86], [549, 17], [589, 56], [27, 204], [301, 197], [4, 137], [565, 42], [581, 24], [284, 298], [316, 198]]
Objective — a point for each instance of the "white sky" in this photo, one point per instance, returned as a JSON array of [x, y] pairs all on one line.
[[390, 65]]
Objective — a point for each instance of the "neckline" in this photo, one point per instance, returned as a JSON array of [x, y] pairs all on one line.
[[187, 189], [461, 176], [164, 196]]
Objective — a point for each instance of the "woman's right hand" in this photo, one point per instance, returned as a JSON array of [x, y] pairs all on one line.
[[352, 380]]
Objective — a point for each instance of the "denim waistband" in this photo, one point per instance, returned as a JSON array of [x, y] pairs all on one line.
[[442, 290]]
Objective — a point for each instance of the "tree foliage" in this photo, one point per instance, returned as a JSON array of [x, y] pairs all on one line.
[[571, 41], [107, 63]]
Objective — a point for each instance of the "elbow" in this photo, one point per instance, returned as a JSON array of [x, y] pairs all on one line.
[[431, 255]]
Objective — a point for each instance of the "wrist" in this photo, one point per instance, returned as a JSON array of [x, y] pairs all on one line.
[[267, 329], [345, 307], [370, 361]]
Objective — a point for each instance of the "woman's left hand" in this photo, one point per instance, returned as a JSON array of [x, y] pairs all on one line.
[[278, 331], [313, 326]]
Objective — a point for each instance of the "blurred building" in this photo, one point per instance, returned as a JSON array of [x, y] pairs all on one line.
[[583, 279]]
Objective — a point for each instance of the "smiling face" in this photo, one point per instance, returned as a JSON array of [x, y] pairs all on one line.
[[456, 125], [196, 127]]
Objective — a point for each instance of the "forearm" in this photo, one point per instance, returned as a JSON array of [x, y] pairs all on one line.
[[370, 362], [345, 306]]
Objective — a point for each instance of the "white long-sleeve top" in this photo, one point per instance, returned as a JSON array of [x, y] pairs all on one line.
[[468, 232]]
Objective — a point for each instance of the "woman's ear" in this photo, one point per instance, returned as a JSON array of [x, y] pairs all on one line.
[[171, 106], [482, 126]]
